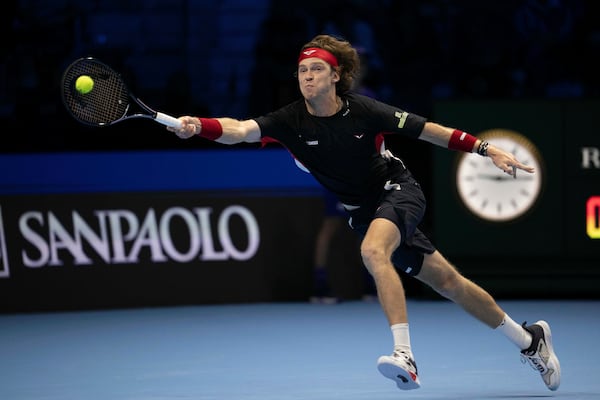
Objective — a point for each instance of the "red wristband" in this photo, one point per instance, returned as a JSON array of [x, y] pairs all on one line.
[[461, 141], [211, 128]]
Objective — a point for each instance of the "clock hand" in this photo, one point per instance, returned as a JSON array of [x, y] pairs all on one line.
[[495, 177]]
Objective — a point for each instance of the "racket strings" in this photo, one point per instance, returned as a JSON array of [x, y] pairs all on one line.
[[106, 103]]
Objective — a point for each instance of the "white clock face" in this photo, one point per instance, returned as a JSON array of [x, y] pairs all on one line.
[[490, 193]]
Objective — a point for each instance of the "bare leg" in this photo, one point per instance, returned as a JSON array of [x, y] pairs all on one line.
[[535, 341], [382, 238], [443, 277]]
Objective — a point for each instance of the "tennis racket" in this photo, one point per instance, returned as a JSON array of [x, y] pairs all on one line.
[[109, 101]]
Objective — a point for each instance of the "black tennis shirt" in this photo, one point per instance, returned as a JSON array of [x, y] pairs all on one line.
[[343, 151]]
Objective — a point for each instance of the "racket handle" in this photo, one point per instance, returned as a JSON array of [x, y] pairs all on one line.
[[167, 120]]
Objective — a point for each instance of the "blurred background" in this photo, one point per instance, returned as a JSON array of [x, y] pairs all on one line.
[[235, 57], [526, 65]]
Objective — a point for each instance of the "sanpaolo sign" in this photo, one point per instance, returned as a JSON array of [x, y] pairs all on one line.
[[88, 250], [120, 236]]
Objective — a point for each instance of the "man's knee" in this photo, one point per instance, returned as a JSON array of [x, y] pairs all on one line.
[[371, 255]]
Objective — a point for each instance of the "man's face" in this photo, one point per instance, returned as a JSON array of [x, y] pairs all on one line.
[[315, 77]]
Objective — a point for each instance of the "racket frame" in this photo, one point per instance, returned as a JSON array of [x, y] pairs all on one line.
[[73, 99]]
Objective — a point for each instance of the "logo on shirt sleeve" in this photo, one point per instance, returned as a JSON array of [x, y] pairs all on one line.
[[401, 118]]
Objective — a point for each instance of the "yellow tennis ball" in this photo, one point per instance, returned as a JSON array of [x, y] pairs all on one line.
[[84, 84]]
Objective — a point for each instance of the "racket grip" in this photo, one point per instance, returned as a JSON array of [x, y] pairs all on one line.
[[167, 120]]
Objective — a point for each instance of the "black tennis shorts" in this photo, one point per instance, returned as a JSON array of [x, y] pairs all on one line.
[[405, 208]]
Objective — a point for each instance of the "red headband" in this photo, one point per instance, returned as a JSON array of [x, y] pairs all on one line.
[[319, 53]]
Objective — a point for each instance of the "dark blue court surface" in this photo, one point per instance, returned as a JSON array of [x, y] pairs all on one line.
[[286, 352]]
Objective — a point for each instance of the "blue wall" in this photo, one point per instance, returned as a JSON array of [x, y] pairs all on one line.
[[228, 169]]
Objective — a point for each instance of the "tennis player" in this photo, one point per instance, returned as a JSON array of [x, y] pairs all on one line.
[[338, 135]]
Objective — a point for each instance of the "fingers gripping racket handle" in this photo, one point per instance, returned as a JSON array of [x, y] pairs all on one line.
[[167, 120]]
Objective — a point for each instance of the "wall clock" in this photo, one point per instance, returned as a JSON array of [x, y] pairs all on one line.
[[492, 195]]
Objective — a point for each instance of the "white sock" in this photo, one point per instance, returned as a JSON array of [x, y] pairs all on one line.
[[401, 337], [514, 332]]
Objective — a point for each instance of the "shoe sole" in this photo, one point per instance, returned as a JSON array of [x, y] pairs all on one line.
[[553, 362], [403, 378]]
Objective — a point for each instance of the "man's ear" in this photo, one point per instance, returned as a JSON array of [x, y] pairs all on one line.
[[336, 76]]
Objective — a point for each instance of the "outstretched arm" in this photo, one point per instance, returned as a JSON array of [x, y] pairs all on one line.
[[457, 140], [222, 130]]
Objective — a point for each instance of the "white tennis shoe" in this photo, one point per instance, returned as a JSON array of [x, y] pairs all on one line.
[[401, 368], [540, 355]]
